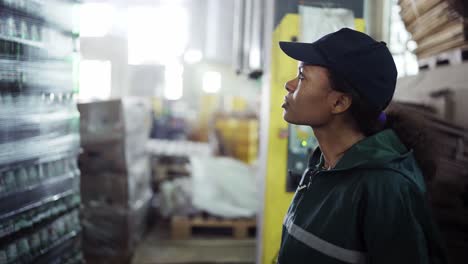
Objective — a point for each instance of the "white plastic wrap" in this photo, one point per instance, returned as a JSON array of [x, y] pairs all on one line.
[[175, 197], [35, 76], [33, 126], [43, 29], [182, 148], [39, 133], [104, 121], [224, 187], [112, 233], [117, 189]]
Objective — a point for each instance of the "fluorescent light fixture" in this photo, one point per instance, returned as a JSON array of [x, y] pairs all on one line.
[[96, 19], [173, 85], [254, 59], [211, 82], [95, 80], [193, 56], [156, 35], [412, 45]]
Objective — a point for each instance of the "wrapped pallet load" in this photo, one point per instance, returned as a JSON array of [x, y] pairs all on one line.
[[39, 133], [115, 185], [436, 25]]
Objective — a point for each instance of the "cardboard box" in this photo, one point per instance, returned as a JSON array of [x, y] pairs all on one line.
[[111, 231], [117, 189], [113, 156], [114, 119]]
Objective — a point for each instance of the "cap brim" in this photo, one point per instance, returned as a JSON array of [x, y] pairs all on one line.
[[305, 52]]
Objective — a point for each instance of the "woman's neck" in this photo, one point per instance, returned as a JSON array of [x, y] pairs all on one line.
[[334, 140]]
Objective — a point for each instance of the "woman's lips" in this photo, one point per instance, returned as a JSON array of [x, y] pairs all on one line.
[[285, 104]]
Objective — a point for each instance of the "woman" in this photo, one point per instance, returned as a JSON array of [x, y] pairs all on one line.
[[363, 197]]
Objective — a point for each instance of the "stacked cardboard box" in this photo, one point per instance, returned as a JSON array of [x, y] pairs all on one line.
[[115, 186], [436, 25], [448, 188]]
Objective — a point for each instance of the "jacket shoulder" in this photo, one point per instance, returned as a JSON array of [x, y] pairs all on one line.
[[389, 182]]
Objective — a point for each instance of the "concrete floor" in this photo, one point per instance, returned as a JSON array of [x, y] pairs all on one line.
[[157, 248]]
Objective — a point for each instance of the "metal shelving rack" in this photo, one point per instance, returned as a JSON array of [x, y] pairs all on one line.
[[39, 132]]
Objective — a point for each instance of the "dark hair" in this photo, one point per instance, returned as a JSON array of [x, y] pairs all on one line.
[[408, 127]]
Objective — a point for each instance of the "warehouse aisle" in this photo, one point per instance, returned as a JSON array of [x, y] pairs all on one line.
[[157, 248]]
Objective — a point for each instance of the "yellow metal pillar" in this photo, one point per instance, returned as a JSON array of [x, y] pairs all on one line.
[[276, 198]]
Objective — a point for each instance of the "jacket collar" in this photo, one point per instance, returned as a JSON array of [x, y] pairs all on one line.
[[373, 151]]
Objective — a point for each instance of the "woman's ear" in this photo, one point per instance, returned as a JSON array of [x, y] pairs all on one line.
[[341, 102]]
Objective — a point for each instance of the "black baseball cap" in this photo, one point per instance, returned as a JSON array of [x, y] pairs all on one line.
[[365, 63]]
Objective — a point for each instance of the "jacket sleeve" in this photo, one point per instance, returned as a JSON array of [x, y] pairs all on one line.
[[397, 224]]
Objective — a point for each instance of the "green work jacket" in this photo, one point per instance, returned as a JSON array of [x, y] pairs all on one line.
[[370, 208]]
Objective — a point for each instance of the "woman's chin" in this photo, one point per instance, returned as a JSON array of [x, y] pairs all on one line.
[[286, 116]]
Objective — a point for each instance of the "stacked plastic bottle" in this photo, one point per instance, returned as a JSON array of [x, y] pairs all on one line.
[[39, 133]]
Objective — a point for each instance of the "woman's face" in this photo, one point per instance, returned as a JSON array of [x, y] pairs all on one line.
[[310, 99]]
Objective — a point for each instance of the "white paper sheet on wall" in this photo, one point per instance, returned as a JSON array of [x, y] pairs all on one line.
[[317, 22]]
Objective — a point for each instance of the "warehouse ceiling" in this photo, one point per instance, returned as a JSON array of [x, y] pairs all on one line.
[[211, 34]]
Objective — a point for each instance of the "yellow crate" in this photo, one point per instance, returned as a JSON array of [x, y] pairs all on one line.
[[246, 150], [248, 124], [244, 128], [248, 159], [239, 104], [253, 142], [251, 136]]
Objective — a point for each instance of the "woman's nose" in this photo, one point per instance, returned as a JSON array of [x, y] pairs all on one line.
[[290, 86]]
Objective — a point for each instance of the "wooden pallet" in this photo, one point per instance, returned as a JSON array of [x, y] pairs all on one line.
[[453, 57], [182, 227]]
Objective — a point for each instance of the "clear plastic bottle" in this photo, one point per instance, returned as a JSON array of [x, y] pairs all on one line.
[[20, 4], [21, 222], [10, 27], [23, 246], [12, 252], [34, 32], [40, 172], [53, 232], [3, 256], [33, 175], [35, 241], [45, 170], [60, 227], [75, 219], [51, 169], [3, 187], [60, 167], [44, 236], [48, 211], [61, 206], [68, 223], [40, 212], [55, 210], [35, 214], [21, 178], [24, 31], [2, 25], [10, 181]]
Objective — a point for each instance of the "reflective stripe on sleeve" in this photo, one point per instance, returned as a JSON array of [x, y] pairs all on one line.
[[312, 241]]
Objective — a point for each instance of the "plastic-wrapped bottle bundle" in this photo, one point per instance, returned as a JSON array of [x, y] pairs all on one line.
[[27, 176], [38, 214], [39, 132], [26, 248]]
